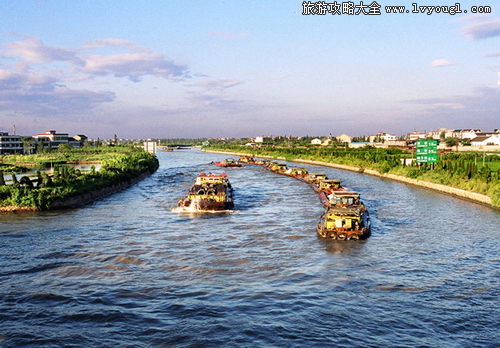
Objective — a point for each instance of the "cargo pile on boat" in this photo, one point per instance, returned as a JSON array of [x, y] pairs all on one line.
[[345, 216]]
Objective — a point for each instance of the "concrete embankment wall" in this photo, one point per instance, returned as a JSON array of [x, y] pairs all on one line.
[[87, 198], [469, 195]]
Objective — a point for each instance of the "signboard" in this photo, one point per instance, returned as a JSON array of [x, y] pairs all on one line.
[[427, 143], [427, 151]]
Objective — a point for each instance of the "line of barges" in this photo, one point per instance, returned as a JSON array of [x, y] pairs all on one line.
[[345, 216]]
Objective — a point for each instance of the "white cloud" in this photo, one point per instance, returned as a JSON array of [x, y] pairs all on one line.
[[441, 62], [220, 84], [32, 50], [478, 109], [492, 55], [481, 27], [33, 86], [134, 66], [40, 95], [115, 42]]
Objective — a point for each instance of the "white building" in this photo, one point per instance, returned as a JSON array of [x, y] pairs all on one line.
[[52, 139], [469, 133], [416, 135], [381, 136], [316, 141], [484, 140], [10, 144], [344, 138]]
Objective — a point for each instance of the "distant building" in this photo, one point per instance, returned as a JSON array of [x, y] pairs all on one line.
[[78, 140], [150, 146], [316, 141], [10, 144], [327, 142], [469, 133], [442, 133], [360, 144], [484, 140], [416, 135], [395, 143], [344, 138], [258, 139], [381, 136], [52, 139]]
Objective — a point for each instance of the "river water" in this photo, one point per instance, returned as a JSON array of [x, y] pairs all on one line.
[[131, 271]]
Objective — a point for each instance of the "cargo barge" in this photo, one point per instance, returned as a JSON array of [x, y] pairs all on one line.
[[209, 192]]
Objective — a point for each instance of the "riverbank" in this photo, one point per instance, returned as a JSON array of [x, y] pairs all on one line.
[[81, 200], [69, 188], [468, 195], [87, 198]]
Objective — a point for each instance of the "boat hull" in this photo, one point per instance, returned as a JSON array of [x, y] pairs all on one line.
[[205, 204]]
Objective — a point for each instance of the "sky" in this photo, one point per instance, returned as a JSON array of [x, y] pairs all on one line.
[[194, 69]]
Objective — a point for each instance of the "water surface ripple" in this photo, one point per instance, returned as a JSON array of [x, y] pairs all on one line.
[[129, 271]]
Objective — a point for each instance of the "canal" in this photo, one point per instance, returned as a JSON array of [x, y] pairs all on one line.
[[131, 271]]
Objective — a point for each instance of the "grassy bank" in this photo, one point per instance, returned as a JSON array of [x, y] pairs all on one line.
[[464, 171], [117, 167], [50, 158]]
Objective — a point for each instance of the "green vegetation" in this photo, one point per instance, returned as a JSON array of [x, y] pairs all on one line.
[[66, 154], [470, 171], [118, 166]]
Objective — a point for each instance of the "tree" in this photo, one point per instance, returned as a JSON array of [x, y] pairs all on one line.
[[27, 144], [64, 147], [466, 142], [40, 147], [450, 142]]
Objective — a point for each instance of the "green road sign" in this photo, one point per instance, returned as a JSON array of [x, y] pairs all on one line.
[[427, 143], [427, 151], [427, 158]]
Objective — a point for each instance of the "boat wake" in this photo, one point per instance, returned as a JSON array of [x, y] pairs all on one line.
[[191, 210], [194, 208]]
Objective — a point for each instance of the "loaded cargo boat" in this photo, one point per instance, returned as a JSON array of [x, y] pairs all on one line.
[[229, 162], [209, 192], [346, 218]]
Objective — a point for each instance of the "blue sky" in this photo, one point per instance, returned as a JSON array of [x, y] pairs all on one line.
[[244, 68]]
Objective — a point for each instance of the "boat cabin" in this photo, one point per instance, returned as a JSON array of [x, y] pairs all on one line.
[[210, 179], [332, 184], [345, 219], [344, 198], [317, 176], [297, 171]]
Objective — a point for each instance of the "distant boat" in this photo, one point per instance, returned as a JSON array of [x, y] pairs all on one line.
[[229, 162]]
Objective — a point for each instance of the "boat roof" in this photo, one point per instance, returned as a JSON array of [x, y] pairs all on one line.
[[343, 211], [345, 193], [212, 178]]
